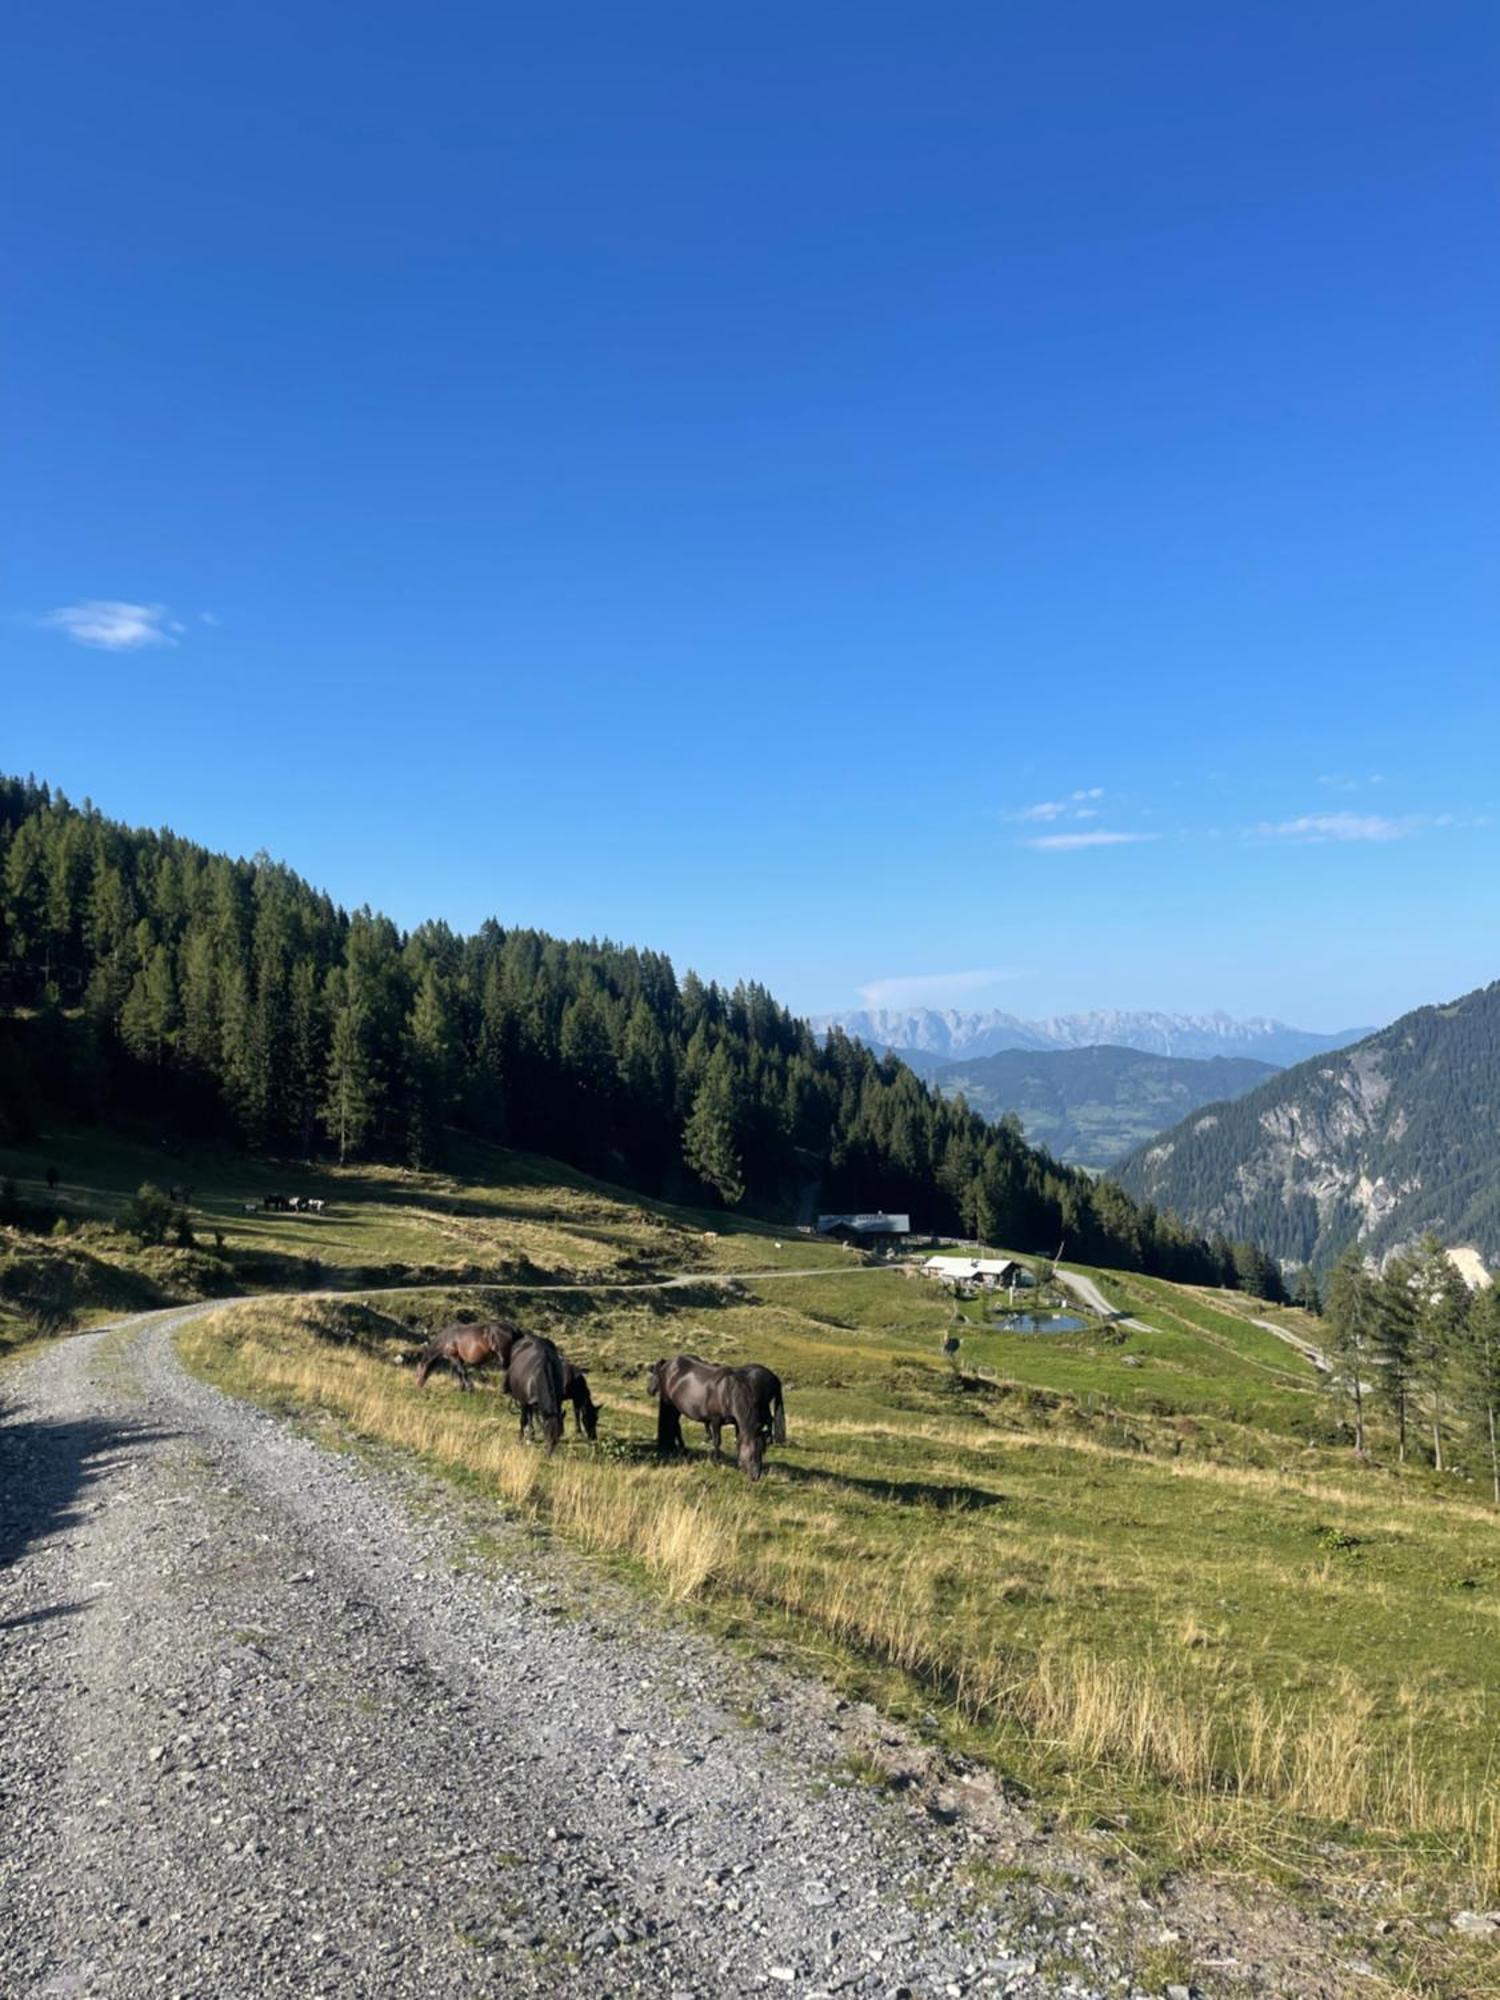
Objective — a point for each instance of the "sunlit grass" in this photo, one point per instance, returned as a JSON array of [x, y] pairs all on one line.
[[1251, 1654]]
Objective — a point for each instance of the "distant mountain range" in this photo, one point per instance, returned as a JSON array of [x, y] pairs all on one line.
[[1370, 1145], [927, 1036], [1091, 1106]]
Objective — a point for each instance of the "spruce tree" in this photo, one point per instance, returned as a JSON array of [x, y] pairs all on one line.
[[710, 1141], [1349, 1330]]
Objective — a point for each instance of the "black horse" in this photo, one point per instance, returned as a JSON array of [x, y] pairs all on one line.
[[713, 1396], [575, 1388], [764, 1385], [534, 1378]]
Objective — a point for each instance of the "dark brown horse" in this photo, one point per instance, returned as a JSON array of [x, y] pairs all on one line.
[[534, 1377], [464, 1347], [764, 1385], [710, 1395], [575, 1388]]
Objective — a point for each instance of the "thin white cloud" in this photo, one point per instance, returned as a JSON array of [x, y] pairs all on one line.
[[1074, 806], [115, 627], [918, 989], [1065, 843], [1344, 826], [209, 618], [1343, 781]]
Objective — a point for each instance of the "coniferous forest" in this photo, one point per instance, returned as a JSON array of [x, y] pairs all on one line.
[[143, 978]]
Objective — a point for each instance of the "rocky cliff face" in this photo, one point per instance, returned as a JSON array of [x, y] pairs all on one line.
[[1369, 1146]]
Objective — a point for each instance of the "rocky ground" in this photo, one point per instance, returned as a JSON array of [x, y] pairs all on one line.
[[270, 1727]]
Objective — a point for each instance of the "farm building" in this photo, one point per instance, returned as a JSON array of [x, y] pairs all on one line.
[[991, 1274], [864, 1228]]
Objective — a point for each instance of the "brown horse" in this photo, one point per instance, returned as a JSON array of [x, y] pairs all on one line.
[[534, 1377], [464, 1347], [686, 1386]]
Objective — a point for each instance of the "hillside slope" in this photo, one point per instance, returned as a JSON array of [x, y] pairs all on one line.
[[216, 1001], [1092, 1106], [1371, 1145]]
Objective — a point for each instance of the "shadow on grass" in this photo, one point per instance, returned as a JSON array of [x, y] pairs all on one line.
[[945, 1498]]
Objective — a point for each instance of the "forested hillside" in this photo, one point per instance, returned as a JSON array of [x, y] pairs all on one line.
[[1092, 1106], [1373, 1145], [144, 977]]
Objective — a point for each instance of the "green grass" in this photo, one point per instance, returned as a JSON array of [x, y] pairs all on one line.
[[493, 1216], [1165, 1590], [1042, 1564]]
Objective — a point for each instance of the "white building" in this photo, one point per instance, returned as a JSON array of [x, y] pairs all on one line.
[[991, 1274]]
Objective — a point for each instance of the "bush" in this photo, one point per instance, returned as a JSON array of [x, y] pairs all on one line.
[[149, 1214]]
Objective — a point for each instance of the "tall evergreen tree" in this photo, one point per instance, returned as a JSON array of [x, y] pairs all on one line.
[[710, 1142], [1349, 1331]]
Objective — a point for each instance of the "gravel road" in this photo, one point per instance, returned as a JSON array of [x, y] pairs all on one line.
[[271, 1727]]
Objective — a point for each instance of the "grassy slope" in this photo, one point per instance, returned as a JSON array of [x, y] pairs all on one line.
[[1160, 1589], [494, 1216]]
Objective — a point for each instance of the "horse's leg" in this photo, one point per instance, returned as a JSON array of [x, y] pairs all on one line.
[[715, 1431]]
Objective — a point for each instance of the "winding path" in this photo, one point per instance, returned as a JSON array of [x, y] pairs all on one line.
[[261, 1737]]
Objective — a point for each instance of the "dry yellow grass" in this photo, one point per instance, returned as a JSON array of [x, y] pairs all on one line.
[[1228, 1758]]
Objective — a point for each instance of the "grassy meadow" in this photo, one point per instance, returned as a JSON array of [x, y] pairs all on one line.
[[493, 1216], [1135, 1568], [1132, 1569]]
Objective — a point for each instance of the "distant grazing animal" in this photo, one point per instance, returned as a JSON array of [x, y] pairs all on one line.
[[689, 1387], [251, 1207], [275, 1202], [534, 1377], [575, 1388], [464, 1347], [316, 1207]]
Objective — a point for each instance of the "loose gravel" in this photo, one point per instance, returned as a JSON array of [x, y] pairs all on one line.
[[267, 1730]]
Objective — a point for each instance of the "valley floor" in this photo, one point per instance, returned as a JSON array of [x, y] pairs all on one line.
[[273, 1726]]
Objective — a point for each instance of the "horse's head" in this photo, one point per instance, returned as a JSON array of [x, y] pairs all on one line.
[[745, 1417], [586, 1407]]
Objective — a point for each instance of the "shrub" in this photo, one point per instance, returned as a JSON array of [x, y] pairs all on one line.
[[148, 1215]]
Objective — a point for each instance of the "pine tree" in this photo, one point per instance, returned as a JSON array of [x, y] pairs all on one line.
[[1442, 1302], [1395, 1342], [348, 1104], [710, 1142], [1479, 1374], [1349, 1323], [432, 1051]]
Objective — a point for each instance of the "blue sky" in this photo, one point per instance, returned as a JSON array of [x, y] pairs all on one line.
[[980, 505]]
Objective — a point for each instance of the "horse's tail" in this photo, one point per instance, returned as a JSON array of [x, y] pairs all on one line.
[[426, 1362], [778, 1415]]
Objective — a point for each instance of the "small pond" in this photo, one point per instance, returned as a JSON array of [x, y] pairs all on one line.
[[1038, 1323]]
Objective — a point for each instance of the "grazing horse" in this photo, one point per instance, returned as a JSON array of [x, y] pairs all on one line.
[[686, 1386], [534, 1377], [764, 1385], [464, 1347], [575, 1388]]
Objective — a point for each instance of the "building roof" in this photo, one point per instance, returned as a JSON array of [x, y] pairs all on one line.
[[878, 1224], [972, 1267]]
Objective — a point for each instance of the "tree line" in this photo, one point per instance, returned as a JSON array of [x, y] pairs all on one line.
[[230, 1001], [1416, 1346]]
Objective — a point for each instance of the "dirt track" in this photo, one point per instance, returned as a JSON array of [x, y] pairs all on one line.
[[262, 1736]]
